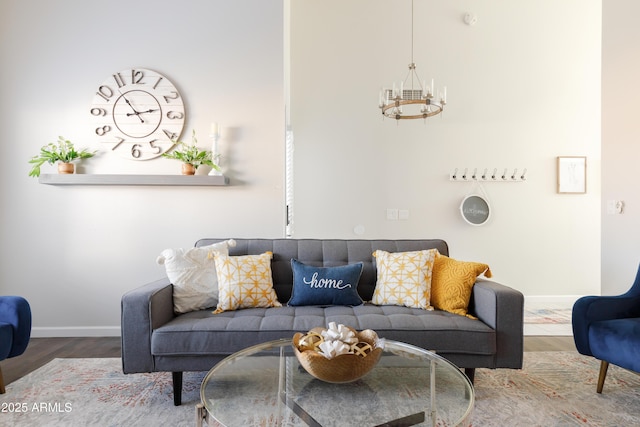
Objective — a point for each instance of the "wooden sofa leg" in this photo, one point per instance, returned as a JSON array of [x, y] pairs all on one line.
[[471, 373], [604, 366], [177, 388]]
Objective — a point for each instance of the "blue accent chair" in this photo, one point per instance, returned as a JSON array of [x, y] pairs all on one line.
[[15, 328], [608, 328]]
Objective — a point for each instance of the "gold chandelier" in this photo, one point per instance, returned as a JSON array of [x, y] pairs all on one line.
[[413, 99]]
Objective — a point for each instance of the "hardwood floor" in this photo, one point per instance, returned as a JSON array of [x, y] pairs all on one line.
[[549, 343], [43, 350]]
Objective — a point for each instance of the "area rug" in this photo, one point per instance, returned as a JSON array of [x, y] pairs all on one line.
[[553, 389], [547, 316]]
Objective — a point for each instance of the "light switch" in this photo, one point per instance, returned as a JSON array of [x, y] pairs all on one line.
[[392, 214], [403, 214]]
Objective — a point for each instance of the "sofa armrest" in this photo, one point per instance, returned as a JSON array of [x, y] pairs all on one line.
[[502, 308], [143, 310]]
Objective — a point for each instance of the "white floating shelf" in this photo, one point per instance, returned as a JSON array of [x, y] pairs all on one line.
[[113, 179]]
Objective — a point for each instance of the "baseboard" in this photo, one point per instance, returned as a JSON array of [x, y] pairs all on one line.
[[69, 331], [533, 302]]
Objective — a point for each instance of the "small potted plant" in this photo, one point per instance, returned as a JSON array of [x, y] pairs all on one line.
[[62, 152], [191, 156]]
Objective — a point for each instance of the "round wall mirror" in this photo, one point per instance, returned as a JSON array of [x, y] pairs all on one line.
[[475, 210]]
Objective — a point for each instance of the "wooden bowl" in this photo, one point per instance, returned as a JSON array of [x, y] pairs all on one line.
[[343, 368]]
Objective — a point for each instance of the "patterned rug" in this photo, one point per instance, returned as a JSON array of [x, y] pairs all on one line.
[[553, 389], [547, 316]]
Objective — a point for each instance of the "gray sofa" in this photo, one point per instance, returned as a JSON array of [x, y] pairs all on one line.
[[154, 338]]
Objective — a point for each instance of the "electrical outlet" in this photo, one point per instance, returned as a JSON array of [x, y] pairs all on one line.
[[615, 207], [392, 214]]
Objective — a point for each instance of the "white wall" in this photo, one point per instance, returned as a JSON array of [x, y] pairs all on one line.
[[73, 251], [523, 88], [522, 85], [620, 148]]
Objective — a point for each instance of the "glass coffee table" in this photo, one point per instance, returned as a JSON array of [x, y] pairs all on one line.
[[265, 385]]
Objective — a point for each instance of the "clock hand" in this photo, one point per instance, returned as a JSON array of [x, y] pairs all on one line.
[[136, 113]]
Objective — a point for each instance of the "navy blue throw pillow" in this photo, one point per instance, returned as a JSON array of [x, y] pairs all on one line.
[[325, 285]]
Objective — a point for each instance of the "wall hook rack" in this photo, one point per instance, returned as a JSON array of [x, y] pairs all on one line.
[[486, 175]]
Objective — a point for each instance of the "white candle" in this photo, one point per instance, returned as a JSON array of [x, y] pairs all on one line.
[[214, 129]]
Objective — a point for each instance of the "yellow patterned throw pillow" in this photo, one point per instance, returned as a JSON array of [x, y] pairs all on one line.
[[452, 283], [245, 281], [404, 278]]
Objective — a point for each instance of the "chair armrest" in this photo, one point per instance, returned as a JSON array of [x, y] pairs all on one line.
[[589, 309], [16, 311], [143, 310], [502, 308]]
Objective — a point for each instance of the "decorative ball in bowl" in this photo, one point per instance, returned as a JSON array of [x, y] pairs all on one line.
[[364, 351]]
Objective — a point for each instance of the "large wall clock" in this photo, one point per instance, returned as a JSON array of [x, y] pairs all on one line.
[[138, 113]]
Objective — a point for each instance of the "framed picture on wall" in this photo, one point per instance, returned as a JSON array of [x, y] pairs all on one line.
[[572, 174]]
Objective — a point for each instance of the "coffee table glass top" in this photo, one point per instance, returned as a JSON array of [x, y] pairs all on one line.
[[264, 385]]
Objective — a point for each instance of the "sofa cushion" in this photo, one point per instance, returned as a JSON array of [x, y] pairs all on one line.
[[404, 278], [245, 281], [325, 253], [203, 333], [325, 285], [453, 282], [192, 272]]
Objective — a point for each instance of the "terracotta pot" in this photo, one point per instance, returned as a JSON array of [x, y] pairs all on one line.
[[188, 169], [66, 167]]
